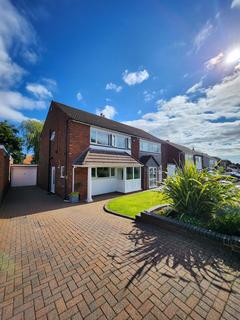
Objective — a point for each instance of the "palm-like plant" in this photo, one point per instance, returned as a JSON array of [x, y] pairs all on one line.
[[199, 193]]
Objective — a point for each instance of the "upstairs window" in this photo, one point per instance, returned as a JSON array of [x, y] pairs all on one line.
[[62, 173], [105, 138], [148, 146], [52, 136]]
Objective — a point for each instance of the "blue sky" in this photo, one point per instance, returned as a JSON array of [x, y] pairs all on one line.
[[169, 67]]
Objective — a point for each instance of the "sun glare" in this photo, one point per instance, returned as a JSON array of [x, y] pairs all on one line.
[[233, 56]]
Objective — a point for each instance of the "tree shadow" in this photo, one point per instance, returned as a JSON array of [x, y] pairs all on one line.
[[186, 257]]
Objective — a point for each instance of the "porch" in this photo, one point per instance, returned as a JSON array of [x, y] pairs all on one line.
[[99, 172]]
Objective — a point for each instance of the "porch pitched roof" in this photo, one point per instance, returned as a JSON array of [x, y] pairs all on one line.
[[145, 159], [105, 158]]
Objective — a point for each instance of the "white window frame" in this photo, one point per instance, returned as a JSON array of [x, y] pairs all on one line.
[[133, 173], [114, 170], [112, 139], [189, 157], [62, 172], [152, 179], [150, 146]]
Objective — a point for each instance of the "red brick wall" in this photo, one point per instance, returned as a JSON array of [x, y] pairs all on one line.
[[78, 141], [56, 120], [4, 172], [170, 155], [81, 177], [135, 147], [145, 181]]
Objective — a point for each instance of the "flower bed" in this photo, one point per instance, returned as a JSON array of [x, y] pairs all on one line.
[[152, 216]]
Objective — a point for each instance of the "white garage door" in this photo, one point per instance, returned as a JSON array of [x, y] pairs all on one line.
[[23, 175]]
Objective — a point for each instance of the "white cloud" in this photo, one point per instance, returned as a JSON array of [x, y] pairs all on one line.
[[79, 96], [108, 112], [149, 95], [39, 91], [139, 111], [13, 102], [210, 123], [195, 88], [113, 86], [15, 32], [17, 35], [213, 62], [132, 78], [235, 4], [30, 56], [202, 36]]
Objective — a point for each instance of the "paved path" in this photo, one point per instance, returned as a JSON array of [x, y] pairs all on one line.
[[59, 261]]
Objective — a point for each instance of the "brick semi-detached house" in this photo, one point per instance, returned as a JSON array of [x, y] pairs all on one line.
[[93, 155]]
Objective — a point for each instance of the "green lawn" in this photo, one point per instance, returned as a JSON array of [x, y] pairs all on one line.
[[132, 204]]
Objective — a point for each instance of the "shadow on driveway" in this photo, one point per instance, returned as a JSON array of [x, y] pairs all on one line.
[[22, 201], [189, 259]]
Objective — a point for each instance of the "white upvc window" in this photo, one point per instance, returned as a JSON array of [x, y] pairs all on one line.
[[62, 172], [148, 146], [133, 173], [198, 161], [103, 172], [109, 139], [188, 157]]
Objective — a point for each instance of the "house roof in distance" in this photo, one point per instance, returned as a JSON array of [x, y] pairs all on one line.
[[100, 121], [180, 147]]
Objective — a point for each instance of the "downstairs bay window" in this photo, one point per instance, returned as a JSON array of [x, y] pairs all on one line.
[[133, 173]]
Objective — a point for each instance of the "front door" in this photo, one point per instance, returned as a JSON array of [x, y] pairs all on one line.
[[152, 177], [53, 180]]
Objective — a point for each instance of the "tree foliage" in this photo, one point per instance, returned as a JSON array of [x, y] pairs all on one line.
[[9, 137], [31, 130]]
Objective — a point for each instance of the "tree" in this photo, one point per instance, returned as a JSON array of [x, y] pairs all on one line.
[[9, 137], [31, 130]]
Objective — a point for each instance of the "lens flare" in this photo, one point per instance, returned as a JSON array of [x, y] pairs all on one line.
[[233, 56]]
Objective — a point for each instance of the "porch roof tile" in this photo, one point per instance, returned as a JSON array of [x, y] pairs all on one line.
[[105, 158]]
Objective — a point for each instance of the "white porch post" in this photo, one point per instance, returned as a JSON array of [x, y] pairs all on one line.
[[124, 173], [89, 186], [73, 178]]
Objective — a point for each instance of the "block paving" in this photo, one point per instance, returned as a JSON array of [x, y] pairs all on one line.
[[62, 261]]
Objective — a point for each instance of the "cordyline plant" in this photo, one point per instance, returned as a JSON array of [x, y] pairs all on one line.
[[199, 193]]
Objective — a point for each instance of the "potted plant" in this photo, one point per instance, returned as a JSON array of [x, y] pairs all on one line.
[[74, 197]]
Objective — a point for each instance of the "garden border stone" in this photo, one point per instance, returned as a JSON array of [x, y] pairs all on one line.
[[149, 216]]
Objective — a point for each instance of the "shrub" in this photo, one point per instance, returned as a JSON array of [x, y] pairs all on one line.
[[227, 221], [199, 193]]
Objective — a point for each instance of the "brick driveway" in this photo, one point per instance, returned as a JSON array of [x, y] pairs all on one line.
[[75, 262]]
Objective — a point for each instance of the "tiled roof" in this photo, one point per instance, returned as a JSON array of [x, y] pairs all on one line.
[[145, 159], [105, 158], [99, 121], [180, 147]]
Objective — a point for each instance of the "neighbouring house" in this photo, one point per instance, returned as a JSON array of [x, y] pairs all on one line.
[[5, 160], [173, 156], [90, 154], [209, 161]]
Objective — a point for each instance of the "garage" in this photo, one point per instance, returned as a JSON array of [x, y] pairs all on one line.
[[23, 175]]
